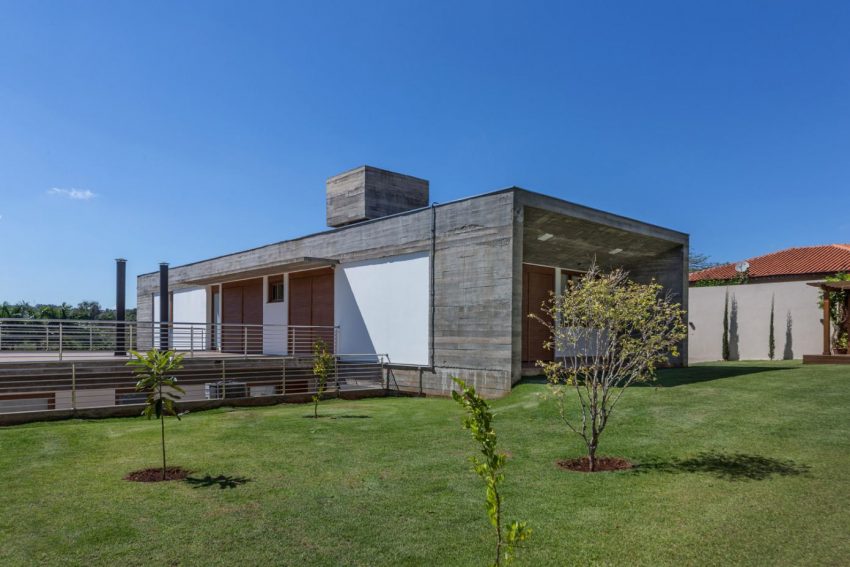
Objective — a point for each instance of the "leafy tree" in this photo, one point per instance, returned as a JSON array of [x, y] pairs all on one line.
[[698, 261], [480, 422], [613, 332], [771, 339], [323, 364], [154, 371]]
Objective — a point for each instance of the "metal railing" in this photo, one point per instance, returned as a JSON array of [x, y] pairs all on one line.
[[45, 339], [83, 385]]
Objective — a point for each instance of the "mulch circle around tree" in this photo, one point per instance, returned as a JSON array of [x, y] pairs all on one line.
[[603, 464], [155, 474]]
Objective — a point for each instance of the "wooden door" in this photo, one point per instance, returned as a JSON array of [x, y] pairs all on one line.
[[311, 305], [538, 282], [241, 305]]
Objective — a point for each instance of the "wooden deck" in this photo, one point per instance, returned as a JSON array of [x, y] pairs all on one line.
[[826, 359]]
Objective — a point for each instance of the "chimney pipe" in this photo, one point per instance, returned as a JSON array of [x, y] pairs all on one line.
[[163, 306], [120, 306]]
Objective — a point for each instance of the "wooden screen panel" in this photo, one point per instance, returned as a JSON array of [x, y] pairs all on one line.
[[242, 304], [231, 314], [311, 304], [538, 283]]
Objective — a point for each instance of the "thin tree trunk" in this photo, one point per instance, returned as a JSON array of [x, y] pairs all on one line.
[[498, 531], [162, 429]]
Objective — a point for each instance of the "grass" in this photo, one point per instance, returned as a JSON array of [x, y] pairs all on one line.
[[741, 463]]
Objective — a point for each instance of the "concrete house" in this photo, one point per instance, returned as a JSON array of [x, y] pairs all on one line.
[[780, 278], [443, 290]]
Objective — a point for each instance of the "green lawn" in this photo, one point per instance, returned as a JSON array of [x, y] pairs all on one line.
[[742, 463]]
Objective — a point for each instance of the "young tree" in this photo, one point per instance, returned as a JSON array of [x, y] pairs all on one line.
[[613, 332], [480, 422], [154, 371], [323, 365]]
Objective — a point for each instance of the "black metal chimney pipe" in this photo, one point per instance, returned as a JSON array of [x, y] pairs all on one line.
[[120, 306], [163, 307]]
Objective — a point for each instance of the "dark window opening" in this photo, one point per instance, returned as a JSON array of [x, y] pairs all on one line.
[[275, 289]]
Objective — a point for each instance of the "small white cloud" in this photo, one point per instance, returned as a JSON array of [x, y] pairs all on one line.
[[77, 194]]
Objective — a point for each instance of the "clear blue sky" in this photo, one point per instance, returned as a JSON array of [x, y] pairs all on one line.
[[177, 131]]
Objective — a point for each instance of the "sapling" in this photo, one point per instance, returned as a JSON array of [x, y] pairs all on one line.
[[480, 422], [154, 371], [323, 363]]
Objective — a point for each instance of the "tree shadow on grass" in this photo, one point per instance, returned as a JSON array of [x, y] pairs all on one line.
[[311, 416], [705, 373], [222, 481], [668, 377], [729, 466]]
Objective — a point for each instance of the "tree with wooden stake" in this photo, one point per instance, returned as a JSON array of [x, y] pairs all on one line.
[[323, 364], [154, 371], [480, 422], [611, 332]]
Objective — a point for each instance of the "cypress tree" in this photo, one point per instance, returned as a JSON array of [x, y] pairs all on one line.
[[771, 341], [726, 327]]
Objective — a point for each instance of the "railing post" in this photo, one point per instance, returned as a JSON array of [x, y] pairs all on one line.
[[73, 386], [192, 341], [47, 336], [60, 340], [91, 337], [245, 341], [223, 379], [336, 374], [283, 378], [132, 347], [1, 335]]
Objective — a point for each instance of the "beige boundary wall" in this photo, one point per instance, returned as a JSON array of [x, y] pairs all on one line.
[[797, 321]]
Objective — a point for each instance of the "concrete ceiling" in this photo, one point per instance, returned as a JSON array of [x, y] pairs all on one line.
[[576, 242]]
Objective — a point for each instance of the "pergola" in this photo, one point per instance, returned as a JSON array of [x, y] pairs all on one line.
[[828, 287]]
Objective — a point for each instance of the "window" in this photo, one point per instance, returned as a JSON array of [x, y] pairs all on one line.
[[129, 396], [27, 402], [569, 278], [275, 289]]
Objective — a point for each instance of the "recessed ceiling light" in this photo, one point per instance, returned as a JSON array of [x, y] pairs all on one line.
[[545, 236], [616, 251]]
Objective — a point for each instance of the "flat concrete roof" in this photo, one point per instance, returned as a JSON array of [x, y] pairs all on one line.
[[535, 199]]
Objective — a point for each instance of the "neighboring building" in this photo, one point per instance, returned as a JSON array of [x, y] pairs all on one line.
[[444, 290], [780, 278]]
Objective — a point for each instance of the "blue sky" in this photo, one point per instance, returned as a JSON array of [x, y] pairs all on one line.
[[177, 131]]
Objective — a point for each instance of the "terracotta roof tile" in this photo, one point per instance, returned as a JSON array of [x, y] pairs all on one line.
[[827, 259]]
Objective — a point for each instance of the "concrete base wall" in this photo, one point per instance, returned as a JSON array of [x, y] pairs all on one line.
[[797, 321], [438, 382]]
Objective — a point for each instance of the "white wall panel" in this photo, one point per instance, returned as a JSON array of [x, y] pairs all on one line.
[[382, 306], [189, 306], [797, 321], [274, 338]]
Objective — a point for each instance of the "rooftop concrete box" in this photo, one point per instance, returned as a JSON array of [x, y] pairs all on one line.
[[368, 193]]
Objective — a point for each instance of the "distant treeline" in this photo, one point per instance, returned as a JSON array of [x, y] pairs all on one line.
[[83, 311]]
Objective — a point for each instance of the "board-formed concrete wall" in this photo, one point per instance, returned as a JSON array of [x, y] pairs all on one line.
[[797, 321]]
